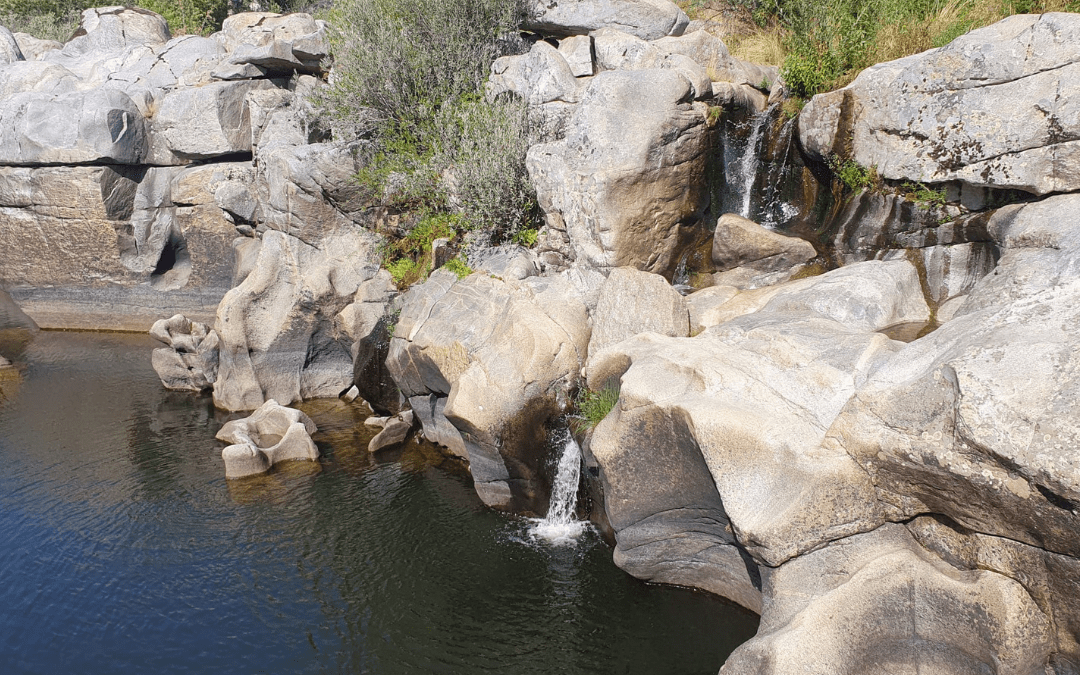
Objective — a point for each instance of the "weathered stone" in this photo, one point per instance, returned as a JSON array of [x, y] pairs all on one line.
[[395, 431], [646, 19], [633, 302], [577, 51], [33, 48], [276, 327], [506, 262], [368, 322], [538, 77], [738, 241], [879, 602], [293, 41], [271, 434], [616, 50], [191, 358], [505, 356], [10, 50], [626, 185], [208, 121], [701, 304], [114, 29], [992, 108], [976, 420], [102, 126]]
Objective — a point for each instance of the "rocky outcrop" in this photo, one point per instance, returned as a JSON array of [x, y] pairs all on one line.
[[277, 327], [913, 118], [748, 255], [486, 363], [647, 19], [633, 302], [102, 223], [271, 434], [626, 185]]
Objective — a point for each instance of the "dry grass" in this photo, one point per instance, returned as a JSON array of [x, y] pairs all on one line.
[[765, 46]]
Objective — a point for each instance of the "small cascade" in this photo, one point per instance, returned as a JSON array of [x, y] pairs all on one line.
[[560, 526], [744, 171]]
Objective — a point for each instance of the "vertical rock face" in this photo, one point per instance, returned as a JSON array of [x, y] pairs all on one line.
[[492, 362], [277, 328], [626, 186], [125, 234]]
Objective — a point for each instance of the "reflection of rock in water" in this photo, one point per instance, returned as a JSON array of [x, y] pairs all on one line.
[[16, 330], [10, 379]]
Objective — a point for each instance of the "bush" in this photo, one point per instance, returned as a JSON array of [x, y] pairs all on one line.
[[852, 175], [58, 19], [594, 406], [200, 17]]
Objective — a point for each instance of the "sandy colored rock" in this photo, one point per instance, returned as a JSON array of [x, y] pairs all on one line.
[[739, 242], [271, 434], [633, 302]]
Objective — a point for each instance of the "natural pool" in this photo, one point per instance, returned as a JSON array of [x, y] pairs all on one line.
[[123, 549]]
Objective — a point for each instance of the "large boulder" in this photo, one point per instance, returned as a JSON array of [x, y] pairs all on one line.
[[277, 327], [739, 415], [208, 121], [497, 360], [10, 52], [977, 420], [626, 187], [633, 302], [114, 29], [647, 19], [879, 602], [996, 107], [541, 76]]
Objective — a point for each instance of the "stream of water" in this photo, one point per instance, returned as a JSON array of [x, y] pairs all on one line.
[[124, 549]]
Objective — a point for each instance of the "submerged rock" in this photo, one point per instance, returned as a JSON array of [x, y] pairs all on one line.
[[394, 432], [273, 433]]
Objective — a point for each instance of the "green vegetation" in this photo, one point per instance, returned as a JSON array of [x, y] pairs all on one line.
[[852, 175], [791, 107], [409, 76], [714, 115], [58, 19], [823, 44], [923, 195], [408, 259], [458, 267], [593, 406], [526, 237]]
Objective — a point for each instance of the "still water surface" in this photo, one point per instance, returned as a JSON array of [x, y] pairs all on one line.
[[123, 549]]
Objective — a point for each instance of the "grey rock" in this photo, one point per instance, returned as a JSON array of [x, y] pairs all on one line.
[[540, 76], [616, 50], [505, 355], [297, 39], [506, 262], [190, 359], [578, 52], [369, 322], [626, 185], [633, 302], [99, 126], [879, 600], [277, 327], [208, 121], [271, 434], [992, 108], [647, 19], [114, 29], [10, 50], [33, 48]]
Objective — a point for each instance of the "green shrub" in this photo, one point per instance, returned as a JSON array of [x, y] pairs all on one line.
[[58, 19], [921, 194], [594, 406], [458, 267], [200, 17], [526, 238], [851, 174]]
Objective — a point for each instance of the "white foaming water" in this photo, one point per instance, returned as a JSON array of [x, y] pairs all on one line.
[[748, 163], [560, 527]]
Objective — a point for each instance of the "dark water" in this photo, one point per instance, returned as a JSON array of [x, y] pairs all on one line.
[[124, 550]]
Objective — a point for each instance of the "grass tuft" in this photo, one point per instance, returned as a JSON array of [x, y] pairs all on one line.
[[594, 406]]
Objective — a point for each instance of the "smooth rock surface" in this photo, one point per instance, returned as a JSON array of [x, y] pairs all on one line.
[[633, 302], [190, 359], [646, 19], [271, 434]]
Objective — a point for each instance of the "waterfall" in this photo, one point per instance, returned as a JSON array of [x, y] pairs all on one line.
[[560, 526], [742, 173]]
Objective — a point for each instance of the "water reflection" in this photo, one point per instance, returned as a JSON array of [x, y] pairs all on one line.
[[132, 551]]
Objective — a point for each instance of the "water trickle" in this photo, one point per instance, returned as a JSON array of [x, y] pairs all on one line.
[[560, 526], [744, 171]]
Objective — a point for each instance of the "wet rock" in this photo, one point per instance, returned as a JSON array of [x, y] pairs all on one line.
[[992, 108], [394, 432], [626, 185], [739, 242], [190, 359], [885, 602], [504, 356], [646, 19], [272, 434]]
